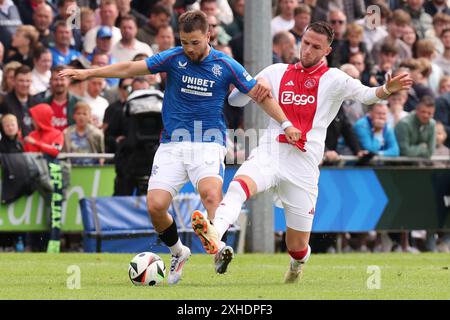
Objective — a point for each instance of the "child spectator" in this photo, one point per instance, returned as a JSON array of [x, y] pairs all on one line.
[[419, 70], [388, 59], [49, 140], [45, 138], [83, 137], [40, 76], [11, 141], [354, 43], [441, 136], [409, 36]]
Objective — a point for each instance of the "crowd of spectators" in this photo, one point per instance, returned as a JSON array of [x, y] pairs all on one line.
[[38, 38]]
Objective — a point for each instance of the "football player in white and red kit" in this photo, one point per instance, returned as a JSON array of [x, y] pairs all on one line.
[[310, 94]]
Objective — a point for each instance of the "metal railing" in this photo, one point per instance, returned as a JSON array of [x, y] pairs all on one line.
[[407, 161], [64, 156], [343, 159]]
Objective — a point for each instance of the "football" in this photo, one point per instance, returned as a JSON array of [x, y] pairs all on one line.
[[146, 269]]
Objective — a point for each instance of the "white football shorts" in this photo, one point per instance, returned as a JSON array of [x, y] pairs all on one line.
[[281, 168], [176, 163]]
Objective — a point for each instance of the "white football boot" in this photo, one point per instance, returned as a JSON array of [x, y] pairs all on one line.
[[176, 265]]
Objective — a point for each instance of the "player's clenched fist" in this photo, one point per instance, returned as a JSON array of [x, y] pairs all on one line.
[[293, 134], [74, 74]]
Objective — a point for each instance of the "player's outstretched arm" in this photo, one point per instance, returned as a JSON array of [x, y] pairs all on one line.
[[124, 69], [401, 82]]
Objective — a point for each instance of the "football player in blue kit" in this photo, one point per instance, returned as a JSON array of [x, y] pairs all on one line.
[[193, 139]]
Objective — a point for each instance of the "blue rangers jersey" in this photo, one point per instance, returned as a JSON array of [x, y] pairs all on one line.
[[195, 94]]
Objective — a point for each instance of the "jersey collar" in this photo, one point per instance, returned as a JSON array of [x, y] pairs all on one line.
[[310, 70]]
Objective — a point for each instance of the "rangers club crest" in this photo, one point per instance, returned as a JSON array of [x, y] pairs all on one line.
[[217, 70], [310, 83]]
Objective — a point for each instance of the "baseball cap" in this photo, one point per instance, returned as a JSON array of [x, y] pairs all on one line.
[[104, 32]]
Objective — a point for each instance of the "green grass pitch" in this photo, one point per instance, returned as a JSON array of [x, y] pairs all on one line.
[[250, 276]]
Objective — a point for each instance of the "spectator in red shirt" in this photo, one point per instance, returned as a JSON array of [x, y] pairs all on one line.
[[46, 138], [60, 100]]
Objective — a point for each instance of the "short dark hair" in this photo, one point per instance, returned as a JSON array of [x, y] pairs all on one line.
[[23, 69], [122, 80], [58, 68], [400, 17], [324, 28], [372, 106], [158, 9], [444, 32], [128, 17], [140, 56], [39, 51], [203, 2], [61, 3], [389, 46], [59, 24], [194, 20], [280, 37], [139, 79], [426, 101]]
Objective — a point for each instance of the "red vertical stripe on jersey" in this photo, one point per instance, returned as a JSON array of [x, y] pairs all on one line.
[[298, 93]]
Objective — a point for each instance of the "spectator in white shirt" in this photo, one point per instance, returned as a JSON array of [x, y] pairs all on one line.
[[129, 46], [108, 17], [165, 39], [40, 76], [443, 60], [98, 104], [285, 20]]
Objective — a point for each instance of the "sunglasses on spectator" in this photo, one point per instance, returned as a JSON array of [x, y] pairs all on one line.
[[337, 21]]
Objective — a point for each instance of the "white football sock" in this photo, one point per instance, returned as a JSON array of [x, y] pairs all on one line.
[[296, 263], [177, 248], [230, 208], [221, 245]]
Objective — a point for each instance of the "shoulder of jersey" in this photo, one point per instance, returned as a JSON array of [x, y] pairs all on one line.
[[278, 66], [336, 71], [220, 55], [175, 50]]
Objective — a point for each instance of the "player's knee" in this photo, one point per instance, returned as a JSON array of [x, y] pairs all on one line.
[[297, 243], [211, 198], [157, 207]]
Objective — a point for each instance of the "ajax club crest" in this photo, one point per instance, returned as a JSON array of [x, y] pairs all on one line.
[[310, 83]]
